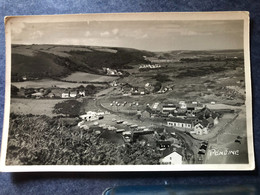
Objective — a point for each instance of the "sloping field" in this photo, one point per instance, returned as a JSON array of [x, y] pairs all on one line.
[[48, 61], [46, 83], [87, 77], [32, 106], [36, 65]]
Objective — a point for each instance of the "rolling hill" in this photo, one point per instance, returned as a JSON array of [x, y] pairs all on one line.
[[55, 61]]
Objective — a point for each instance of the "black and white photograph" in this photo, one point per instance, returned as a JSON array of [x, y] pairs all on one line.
[[128, 92]]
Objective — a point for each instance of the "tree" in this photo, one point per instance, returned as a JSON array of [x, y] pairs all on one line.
[[69, 108], [14, 90], [162, 77]]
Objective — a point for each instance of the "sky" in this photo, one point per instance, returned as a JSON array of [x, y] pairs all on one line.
[[144, 35]]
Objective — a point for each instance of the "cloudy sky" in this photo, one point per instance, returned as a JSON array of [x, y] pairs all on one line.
[[145, 35]]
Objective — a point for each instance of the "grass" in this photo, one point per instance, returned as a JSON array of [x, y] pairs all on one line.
[[48, 61], [47, 83], [33, 106], [87, 77]]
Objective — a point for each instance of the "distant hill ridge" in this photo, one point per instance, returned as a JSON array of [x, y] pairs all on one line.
[[55, 61]]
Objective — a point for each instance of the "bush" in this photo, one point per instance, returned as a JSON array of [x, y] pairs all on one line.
[[69, 108], [162, 78]]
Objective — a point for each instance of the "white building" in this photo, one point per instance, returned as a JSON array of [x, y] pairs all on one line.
[[199, 129], [73, 94], [82, 93], [180, 123], [37, 94], [173, 158], [182, 105], [90, 116], [168, 108], [65, 95], [147, 85]]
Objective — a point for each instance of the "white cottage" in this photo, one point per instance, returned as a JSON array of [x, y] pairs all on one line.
[[73, 94], [65, 95], [173, 158], [90, 116]]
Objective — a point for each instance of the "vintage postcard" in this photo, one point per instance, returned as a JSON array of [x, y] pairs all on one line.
[[128, 92]]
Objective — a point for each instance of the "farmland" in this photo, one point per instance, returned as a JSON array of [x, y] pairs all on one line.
[[46, 83], [87, 77], [32, 106]]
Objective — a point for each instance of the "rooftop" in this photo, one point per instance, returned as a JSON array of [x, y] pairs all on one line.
[[180, 120], [170, 150]]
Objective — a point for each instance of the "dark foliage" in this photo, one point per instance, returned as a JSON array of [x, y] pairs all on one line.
[[14, 90], [40, 140], [161, 77], [157, 86], [69, 108], [90, 89], [41, 65], [47, 65], [209, 68]]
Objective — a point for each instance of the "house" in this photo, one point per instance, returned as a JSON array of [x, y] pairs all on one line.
[[212, 117], [90, 116], [191, 107], [163, 144], [114, 84], [171, 157], [51, 95], [155, 105], [97, 132], [110, 71], [126, 94], [82, 125], [167, 108], [82, 93], [73, 94], [199, 106], [120, 130], [147, 85], [204, 113], [182, 105], [127, 136], [65, 95], [201, 128], [24, 78], [37, 94], [182, 123], [146, 114], [135, 93]]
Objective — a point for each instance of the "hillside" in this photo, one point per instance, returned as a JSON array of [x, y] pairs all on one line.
[[54, 61]]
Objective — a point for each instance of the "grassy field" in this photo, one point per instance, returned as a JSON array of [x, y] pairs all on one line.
[[87, 77], [33, 106], [46, 83]]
